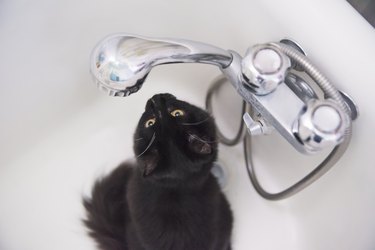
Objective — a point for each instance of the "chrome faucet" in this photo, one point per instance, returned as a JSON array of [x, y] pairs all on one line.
[[276, 80], [120, 64]]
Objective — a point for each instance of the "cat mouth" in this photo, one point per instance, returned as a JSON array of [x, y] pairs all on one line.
[[200, 145]]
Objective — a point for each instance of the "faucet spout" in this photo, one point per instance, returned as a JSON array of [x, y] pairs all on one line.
[[120, 63]]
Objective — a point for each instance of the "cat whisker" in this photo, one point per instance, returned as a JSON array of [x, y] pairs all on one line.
[[196, 123], [200, 139], [138, 139], [148, 146]]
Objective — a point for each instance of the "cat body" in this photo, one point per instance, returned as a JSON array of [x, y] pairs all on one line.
[[168, 199]]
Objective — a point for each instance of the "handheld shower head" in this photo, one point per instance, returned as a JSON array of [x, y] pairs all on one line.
[[120, 63], [265, 78]]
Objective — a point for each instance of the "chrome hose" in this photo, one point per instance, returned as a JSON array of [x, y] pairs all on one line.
[[329, 91], [216, 84]]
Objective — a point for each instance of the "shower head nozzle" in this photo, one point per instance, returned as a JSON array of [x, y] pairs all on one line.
[[120, 63]]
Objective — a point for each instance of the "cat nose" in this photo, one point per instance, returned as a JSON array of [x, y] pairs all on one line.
[[159, 106]]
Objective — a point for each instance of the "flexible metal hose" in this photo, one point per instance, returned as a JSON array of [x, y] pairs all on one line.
[[328, 88], [329, 91], [310, 178], [217, 83]]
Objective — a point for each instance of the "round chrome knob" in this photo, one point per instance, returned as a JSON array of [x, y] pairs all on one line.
[[326, 119], [264, 67], [267, 61], [322, 124]]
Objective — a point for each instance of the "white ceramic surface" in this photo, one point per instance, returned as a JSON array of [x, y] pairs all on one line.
[[58, 132]]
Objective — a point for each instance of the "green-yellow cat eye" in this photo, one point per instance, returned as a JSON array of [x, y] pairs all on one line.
[[150, 122], [177, 112]]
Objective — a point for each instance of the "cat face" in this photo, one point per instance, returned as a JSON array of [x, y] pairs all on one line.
[[174, 139]]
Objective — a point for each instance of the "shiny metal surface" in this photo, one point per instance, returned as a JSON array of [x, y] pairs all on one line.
[[303, 183], [273, 108], [317, 133], [295, 45], [120, 63], [256, 127], [310, 178], [352, 106], [300, 86], [264, 68]]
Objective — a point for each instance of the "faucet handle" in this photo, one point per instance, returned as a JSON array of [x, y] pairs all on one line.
[[321, 124], [264, 67], [259, 127]]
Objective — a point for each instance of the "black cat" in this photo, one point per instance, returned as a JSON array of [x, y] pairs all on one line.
[[168, 199]]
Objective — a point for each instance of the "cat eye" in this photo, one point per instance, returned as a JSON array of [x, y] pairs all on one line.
[[177, 112], [150, 122]]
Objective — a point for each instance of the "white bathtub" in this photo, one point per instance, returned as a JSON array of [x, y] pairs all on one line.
[[58, 133]]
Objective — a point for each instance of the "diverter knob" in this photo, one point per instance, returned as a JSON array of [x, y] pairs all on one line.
[[264, 67], [321, 124]]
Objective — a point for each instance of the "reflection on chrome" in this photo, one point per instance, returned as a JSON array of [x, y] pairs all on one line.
[[274, 79]]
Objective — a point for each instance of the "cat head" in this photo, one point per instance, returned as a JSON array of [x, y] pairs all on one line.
[[174, 140]]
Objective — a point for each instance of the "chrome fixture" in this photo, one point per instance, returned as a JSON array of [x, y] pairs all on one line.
[[278, 83], [120, 63], [264, 68], [321, 124]]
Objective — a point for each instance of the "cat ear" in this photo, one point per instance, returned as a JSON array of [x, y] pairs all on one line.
[[199, 145], [205, 149], [149, 168], [150, 163]]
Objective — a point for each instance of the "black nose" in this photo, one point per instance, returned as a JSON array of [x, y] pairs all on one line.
[[158, 104]]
